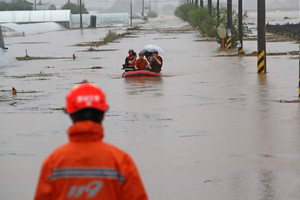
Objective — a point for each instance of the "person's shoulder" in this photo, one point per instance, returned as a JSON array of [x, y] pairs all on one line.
[[117, 152], [112, 148], [59, 150]]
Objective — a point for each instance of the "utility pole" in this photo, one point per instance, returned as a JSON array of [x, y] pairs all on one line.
[[143, 4], [229, 23], [299, 68], [210, 7], [130, 14], [218, 11], [156, 7], [2, 45], [241, 51], [80, 11], [201, 3], [261, 34]]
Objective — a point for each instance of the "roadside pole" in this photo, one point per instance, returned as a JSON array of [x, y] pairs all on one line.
[[201, 3], [261, 34], [210, 7], [229, 23], [218, 11], [299, 69], [80, 11], [2, 45], [241, 50], [130, 14], [143, 4]]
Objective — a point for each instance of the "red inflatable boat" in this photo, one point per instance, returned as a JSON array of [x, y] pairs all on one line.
[[140, 73]]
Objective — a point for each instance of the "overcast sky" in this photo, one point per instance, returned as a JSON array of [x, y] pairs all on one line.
[[105, 4]]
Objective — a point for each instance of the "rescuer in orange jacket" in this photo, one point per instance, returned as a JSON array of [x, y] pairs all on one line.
[[86, 167], [141, 63]]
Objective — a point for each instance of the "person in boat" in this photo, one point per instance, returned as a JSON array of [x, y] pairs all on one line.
[[156, 62], [86, 167], [141, 63], [130, 59]]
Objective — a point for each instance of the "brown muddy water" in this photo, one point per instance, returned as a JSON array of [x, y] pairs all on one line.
[[211, 128]]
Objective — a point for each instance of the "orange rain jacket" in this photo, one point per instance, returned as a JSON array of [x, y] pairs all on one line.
[[88, 168], [141, 63]]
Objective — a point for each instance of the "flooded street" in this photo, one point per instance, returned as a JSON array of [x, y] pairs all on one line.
[[211, 128]]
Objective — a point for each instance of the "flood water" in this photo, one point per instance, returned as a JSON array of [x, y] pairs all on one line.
[[211, 128]]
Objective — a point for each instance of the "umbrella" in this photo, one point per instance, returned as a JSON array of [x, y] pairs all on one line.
[[152, 47]]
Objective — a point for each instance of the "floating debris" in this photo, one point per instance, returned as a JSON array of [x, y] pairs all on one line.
[[39, 58], [62, 108], [254, 53], [288, 101], [266, 155], [110, 37], [91, 49], [210, 181], [29, 91], [13, 103], [97, 67], [41, 74], [32, 43], [92, 43]]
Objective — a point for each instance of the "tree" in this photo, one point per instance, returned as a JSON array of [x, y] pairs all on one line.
[[20, 5], [75, 9]]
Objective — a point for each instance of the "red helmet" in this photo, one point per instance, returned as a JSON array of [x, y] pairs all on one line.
[[83, 96]]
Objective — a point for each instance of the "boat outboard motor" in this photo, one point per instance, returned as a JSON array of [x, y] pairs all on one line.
[[1, 39]]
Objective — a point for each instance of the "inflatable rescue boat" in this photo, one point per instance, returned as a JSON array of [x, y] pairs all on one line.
[[130, 72], [140, 73]]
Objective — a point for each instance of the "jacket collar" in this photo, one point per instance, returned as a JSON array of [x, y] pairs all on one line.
[[85, 131]]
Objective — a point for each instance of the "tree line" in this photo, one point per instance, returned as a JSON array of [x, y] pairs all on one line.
[[25, 5], [200, 18]]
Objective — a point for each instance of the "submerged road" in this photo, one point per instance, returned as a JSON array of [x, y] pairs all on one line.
[[211, 128]]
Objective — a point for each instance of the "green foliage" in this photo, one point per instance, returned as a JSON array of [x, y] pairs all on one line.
[[207, 25], [183, 10], [75, 9], [152, 14], [111, 36], [21, 5]]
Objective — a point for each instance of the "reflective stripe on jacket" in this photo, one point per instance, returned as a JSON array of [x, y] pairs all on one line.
[[88, 168]]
